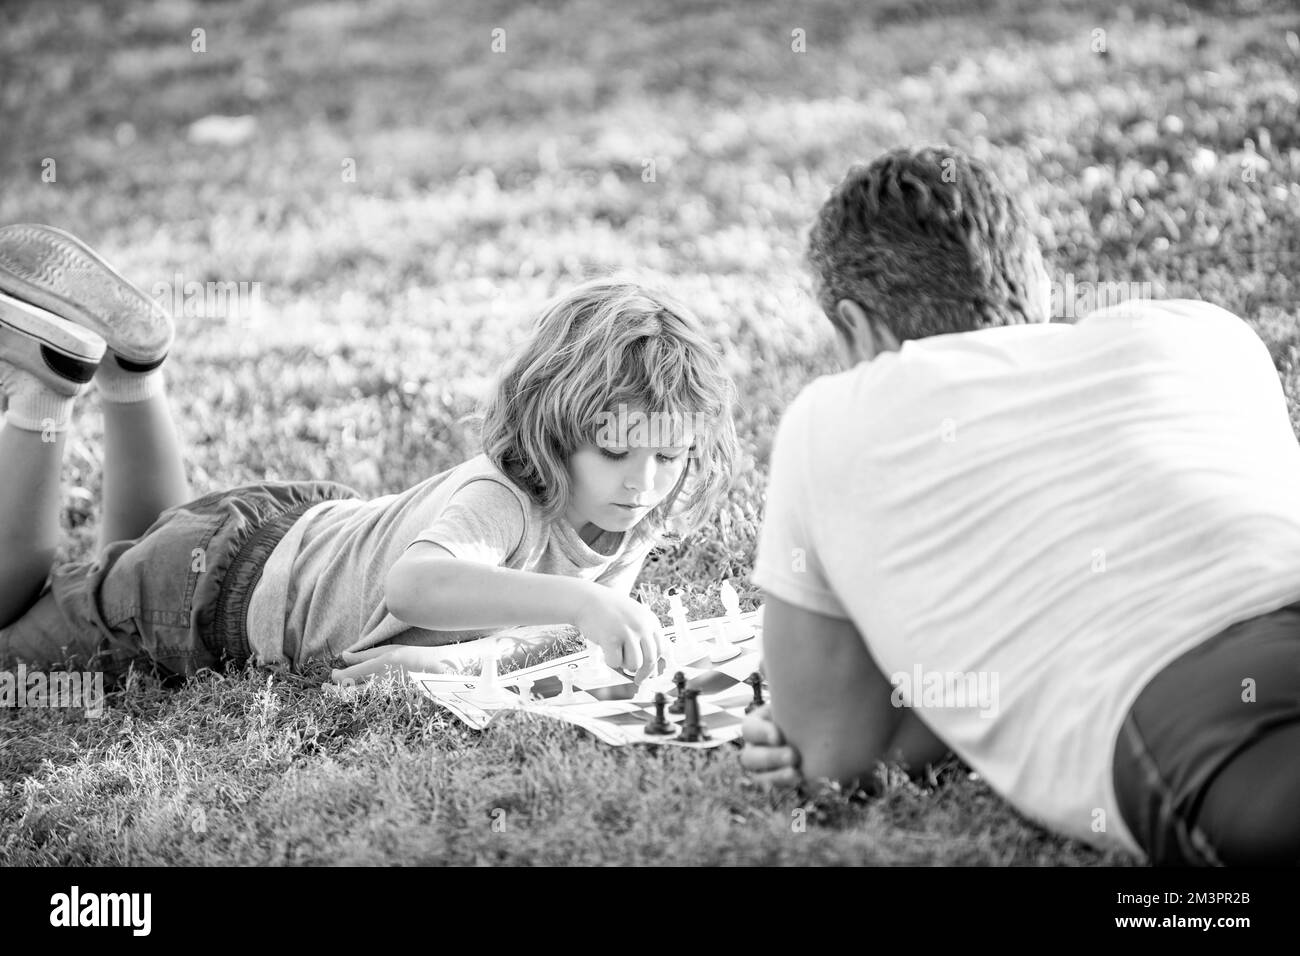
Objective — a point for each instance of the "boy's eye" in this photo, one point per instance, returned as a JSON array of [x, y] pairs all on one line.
[[620, 455]]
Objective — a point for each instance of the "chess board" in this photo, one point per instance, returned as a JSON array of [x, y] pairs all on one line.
[[604, 701]]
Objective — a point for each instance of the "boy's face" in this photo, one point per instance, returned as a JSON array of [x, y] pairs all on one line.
[[615, 482]]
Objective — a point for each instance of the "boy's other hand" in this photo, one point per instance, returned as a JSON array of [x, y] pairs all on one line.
[[400, 658], [626, 630], [766, 755]]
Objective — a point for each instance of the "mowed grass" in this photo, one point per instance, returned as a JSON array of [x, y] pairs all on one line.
[[484, 182]]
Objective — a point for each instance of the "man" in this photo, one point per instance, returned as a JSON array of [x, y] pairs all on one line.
[[1070, 553]]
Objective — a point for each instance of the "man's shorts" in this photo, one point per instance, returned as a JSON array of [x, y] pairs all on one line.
[[174, 599], [1207, 764]]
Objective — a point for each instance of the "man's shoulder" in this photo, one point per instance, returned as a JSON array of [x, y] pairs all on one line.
[[1144, 311]]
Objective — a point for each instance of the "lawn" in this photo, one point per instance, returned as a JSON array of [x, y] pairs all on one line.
[[407, 198]]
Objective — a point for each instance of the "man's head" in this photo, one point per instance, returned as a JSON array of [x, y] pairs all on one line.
[[923, 242]]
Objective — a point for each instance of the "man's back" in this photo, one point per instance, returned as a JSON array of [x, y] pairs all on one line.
[[1060, 509]]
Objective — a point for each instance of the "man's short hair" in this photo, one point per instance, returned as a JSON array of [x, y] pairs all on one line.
[[928, 242]]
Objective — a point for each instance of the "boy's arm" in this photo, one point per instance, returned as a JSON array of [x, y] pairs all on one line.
[[427, 587]]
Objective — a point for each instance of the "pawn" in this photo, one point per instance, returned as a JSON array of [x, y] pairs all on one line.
[[658, 724], [722, 647], [525, 685], [692, 730], [756, 682], [679, 705]]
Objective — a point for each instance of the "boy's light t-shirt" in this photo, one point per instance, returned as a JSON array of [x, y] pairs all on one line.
[[1062, 509], [322, 588]]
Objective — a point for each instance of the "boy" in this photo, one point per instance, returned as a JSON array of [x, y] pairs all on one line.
[[549, 526]]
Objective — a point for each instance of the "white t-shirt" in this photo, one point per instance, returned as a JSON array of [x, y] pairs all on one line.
[[322, 589], [1056, 511]]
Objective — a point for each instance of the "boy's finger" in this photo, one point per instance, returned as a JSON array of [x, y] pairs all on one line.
[[366, 669], [356, 657], [649, 656], [346, 676]]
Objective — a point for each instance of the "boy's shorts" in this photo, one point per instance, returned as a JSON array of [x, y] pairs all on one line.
[[176, 597], [1207, 764]]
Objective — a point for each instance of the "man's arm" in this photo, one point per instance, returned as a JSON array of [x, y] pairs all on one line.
[[832, 703]]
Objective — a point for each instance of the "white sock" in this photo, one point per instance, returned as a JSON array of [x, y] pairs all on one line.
[[33, 406], [121, 387]]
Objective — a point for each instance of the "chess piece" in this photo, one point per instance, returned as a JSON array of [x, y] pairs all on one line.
[[686, 651], [489, 689], [658, 725], [692, 730], [722, 649], [668, 658], [679, 705], [525, 685], [737, 630], [654, 684], [756, 682], [566, 682], [593, 671]]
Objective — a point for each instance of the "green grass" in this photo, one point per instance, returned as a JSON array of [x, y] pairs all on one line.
[[484, 183]]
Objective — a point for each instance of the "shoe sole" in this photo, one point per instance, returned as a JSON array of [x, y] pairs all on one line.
[[61, 353], [57, 272]]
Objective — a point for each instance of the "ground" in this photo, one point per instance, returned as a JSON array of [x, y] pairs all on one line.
[[406, 199]]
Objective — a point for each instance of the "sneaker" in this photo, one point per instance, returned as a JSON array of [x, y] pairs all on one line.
[[61, 354], [55, 271]]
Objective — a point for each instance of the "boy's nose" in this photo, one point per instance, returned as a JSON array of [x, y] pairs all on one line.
[[640, 478]]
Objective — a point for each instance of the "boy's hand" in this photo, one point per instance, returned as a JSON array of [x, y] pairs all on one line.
[[626, 630], [766, 754], [390, 657]]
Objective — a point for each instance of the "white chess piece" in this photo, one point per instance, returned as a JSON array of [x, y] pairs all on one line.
[[566, 682], [668, 654], [525, 685], [594, 669], [686, 649], [489, 689], [722, 649], [737, 630], [655, 684]]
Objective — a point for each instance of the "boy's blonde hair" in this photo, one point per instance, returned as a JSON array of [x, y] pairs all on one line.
[[609, 342]]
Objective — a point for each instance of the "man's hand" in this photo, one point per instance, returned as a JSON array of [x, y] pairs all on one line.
[[766, 754]]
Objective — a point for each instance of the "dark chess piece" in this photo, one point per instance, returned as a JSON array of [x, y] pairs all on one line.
[[679, 705], [756, 682], [658, 724], [692, 730]]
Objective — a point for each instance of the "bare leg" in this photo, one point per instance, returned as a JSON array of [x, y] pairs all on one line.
[[29, 516], [143, 473]]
